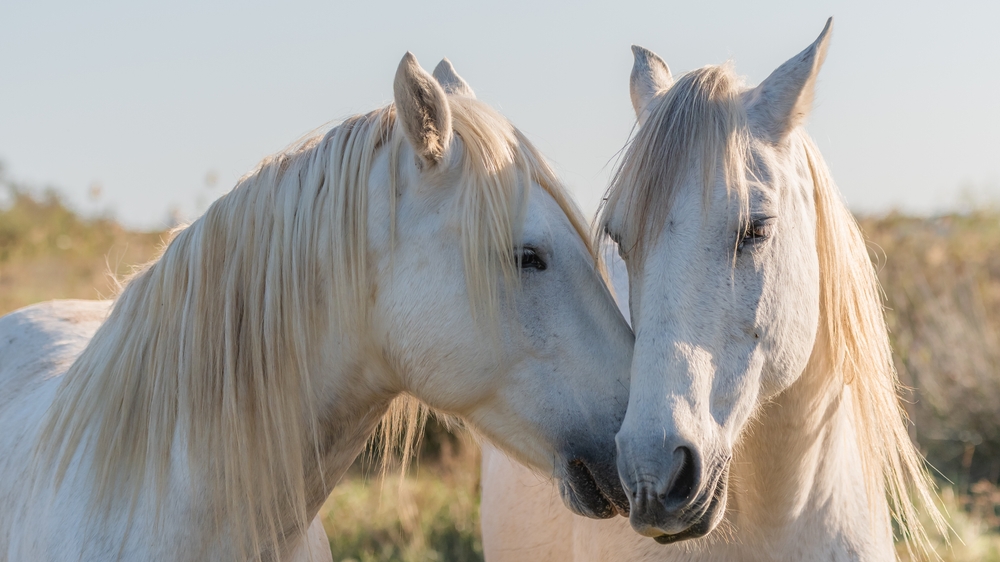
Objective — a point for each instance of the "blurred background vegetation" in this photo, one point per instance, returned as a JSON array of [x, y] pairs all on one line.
[[941, 276]]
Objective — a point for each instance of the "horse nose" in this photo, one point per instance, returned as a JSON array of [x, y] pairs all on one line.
[[657, 499], [682, 484], [678, 483]]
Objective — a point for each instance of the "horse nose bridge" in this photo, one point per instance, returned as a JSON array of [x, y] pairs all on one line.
[[652, 431], [683, 282], [671, 378]]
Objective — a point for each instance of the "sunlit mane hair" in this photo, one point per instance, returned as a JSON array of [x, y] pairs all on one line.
[[206, 348], [853, 341], [701, 120]]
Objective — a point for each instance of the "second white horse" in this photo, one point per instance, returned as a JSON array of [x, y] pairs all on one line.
[[763, 421]]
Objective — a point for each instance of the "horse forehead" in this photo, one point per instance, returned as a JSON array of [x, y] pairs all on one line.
[[688, 214], [543, 215], [778, 173]]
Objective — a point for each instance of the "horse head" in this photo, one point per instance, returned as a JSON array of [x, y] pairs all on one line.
[[713, 211]]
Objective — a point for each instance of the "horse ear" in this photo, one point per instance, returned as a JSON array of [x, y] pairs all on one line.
[[650, 76], [783, 100], [452, 83], [422, 108]]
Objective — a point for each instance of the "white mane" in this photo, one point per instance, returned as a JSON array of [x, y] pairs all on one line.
[[206, 347], [853, 343]]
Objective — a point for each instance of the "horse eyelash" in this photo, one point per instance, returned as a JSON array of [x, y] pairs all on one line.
[[535, 262], [748, 231]]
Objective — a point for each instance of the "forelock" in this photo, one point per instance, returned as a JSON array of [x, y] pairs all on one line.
[[697, 126]]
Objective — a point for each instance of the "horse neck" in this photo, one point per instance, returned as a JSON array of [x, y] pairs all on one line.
[[349, 402], [348, 411], [353, 389], [797, 476]]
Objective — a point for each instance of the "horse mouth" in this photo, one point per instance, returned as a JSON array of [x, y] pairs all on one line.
[[704, 514], [584, 495]]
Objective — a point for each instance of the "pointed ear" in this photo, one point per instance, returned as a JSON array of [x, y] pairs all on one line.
[[650, 76], [783, 100], [422, 109], [452, 83]]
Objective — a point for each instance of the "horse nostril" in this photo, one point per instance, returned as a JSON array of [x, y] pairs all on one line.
[[685, 479]]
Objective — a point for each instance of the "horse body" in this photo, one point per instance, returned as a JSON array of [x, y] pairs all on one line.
[[37, 346], [424, 249], [763, 421]]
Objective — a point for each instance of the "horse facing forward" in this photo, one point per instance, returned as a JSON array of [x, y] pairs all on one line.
[[763, 421], [423, 249]]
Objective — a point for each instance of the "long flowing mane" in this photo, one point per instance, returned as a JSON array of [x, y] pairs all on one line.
[[701, 119], [206, 348], [853, 341]]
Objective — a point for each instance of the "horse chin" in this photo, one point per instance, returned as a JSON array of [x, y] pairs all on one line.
[[585, 495], [705, 521]]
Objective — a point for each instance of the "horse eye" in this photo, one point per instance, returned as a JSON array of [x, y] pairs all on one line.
[[616, 238], [755, 231], [531, 260], [760, 231]]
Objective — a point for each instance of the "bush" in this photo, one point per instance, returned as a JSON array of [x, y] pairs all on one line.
[[48, 251], [942, 282]]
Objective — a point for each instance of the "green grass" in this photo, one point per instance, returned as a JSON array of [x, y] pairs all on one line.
[[974, 538]]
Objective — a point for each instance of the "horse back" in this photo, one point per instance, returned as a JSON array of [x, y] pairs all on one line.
[[39, 342]]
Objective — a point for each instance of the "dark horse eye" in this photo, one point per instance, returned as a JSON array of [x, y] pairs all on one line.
[[531, 260], [755, 231]]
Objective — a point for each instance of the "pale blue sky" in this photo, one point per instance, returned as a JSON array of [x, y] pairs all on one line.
[[148, 100]]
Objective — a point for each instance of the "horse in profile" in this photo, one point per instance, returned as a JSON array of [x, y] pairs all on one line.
[[424, 250], [763, 419]]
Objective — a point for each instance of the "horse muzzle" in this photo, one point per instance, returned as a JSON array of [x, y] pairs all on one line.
[[686, 505], [592, 489]]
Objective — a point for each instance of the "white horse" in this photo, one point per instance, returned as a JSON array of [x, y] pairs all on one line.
[[424, 249], [763, 401]]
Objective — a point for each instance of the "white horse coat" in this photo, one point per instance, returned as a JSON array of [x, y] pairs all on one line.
[[763, 421], [424, 249]]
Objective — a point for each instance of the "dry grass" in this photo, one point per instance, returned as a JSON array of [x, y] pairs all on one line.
[[47, 251], [942, 281], [432, 514]]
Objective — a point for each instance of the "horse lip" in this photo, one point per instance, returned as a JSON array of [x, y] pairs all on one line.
[[586, 496]]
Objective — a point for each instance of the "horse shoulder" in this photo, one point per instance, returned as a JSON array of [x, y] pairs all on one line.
[[37, 345]]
